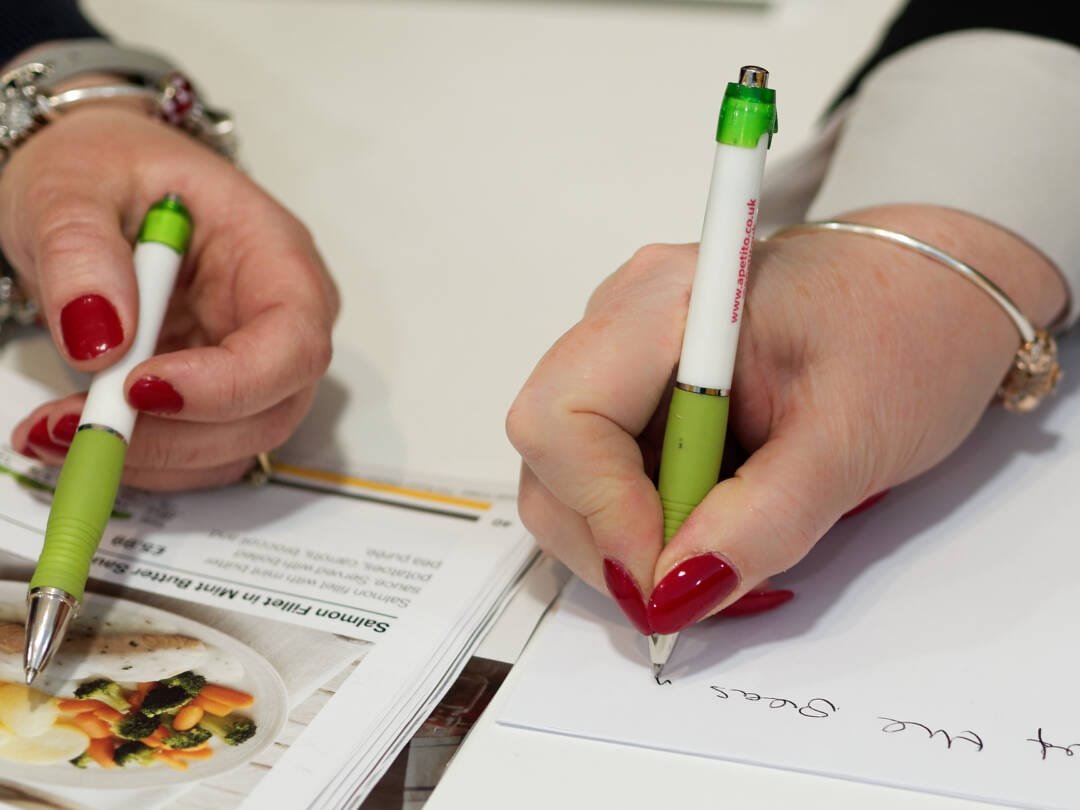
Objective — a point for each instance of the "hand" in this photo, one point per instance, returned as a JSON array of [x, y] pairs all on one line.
[[860, 365], [247, 335]]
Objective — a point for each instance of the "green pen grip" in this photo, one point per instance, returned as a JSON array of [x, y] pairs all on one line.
[[690, 460], [82, 504]]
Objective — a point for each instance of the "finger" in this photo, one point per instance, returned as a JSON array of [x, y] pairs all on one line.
[[74, 250], [162, 444], [277, 354], [565, 535], [186, 480], [756, 524], [576, 420]]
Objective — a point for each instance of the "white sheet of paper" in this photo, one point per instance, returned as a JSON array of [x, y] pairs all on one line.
[[932, 643]]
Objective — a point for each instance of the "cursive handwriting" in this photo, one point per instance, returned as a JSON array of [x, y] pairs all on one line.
[[815, 707], [665, 682], [1066, 749], [894, 726]]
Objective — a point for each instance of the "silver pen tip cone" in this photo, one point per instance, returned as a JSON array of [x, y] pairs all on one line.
[[657, 670], [31, 674]]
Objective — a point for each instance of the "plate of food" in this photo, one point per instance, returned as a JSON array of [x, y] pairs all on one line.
[[136, 697]]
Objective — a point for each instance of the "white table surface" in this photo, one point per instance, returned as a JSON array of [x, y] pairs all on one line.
[[471, 169]]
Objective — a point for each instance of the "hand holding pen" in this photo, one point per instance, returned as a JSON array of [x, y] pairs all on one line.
[[843, 387], [247, 335]]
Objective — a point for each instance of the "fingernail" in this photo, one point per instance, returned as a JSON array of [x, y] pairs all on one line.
[[862, 507], [39, 438], [90, 327], [627, 595], [154, 395], [64, 429], [28, 451], [757, 602], [689, 591]]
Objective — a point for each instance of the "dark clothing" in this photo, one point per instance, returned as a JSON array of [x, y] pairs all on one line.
[[922, 19], [25, 24]]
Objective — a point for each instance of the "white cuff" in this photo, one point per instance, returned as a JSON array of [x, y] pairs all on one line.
[[982, 121]]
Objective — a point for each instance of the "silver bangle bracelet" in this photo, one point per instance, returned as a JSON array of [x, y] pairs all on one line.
[[1035, 372]]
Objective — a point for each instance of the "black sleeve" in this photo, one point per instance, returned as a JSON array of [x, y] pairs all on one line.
[[25, 23], [922, 19]]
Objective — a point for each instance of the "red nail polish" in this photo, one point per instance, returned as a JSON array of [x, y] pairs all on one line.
[[90, 327], [28, 451], [757, 602], [689, 591], [627, 595], [154, 395], [39, 438], [64, 429], [862, 507]]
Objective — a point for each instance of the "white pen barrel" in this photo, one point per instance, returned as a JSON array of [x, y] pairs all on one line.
[[156, 266], [719, 291]]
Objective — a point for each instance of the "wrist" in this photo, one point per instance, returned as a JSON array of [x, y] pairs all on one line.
[[1023, 273]]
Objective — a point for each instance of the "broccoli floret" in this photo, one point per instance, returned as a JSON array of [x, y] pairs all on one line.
[[108, 692], [188, 681], [187, 739], [133, 753], [82, 760], [135, 726], [231, 732], [163, 699]]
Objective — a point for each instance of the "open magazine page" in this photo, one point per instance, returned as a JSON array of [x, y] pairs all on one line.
[[217, 625]]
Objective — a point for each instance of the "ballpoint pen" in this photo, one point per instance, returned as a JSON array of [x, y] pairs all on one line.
[[698, 416], [90, 477]]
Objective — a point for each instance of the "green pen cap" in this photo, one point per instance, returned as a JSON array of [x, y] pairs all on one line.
[[168, 222], [748, 110]]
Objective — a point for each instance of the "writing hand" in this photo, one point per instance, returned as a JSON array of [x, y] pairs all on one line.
[[860, 365]]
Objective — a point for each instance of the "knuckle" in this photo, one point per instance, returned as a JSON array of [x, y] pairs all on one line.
[[523, 428]]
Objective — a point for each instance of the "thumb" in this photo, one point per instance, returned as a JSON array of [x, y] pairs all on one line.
[[82, 268], [758, 523]]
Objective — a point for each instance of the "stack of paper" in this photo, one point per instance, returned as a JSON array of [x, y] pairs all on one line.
[[330, 612]]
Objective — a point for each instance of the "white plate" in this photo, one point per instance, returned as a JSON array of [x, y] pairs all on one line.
[[258, 677]]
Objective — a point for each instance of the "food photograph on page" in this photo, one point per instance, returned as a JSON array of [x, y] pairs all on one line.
[[136, 697], [155, 702]]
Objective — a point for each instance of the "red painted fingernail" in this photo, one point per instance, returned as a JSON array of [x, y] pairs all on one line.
[[64, 429], [28, 451], [689, 591], [627, 595], [757, 602], [155, 395], [90, 327], [862, 507], [39, 438]]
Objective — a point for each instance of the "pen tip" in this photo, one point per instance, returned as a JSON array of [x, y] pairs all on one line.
[[31, 673], [657, 670]]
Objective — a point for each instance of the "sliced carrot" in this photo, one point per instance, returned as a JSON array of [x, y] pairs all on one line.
[[201, 752], [139, 693], [108, 714], [95, 727], [230, 697], [187, 717], [155, 739], [210, 705], [164, 755], [101, 751], [80, 705]]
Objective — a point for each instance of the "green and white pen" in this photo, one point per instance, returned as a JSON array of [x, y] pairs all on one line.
[[698, 416], [90, 478]]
